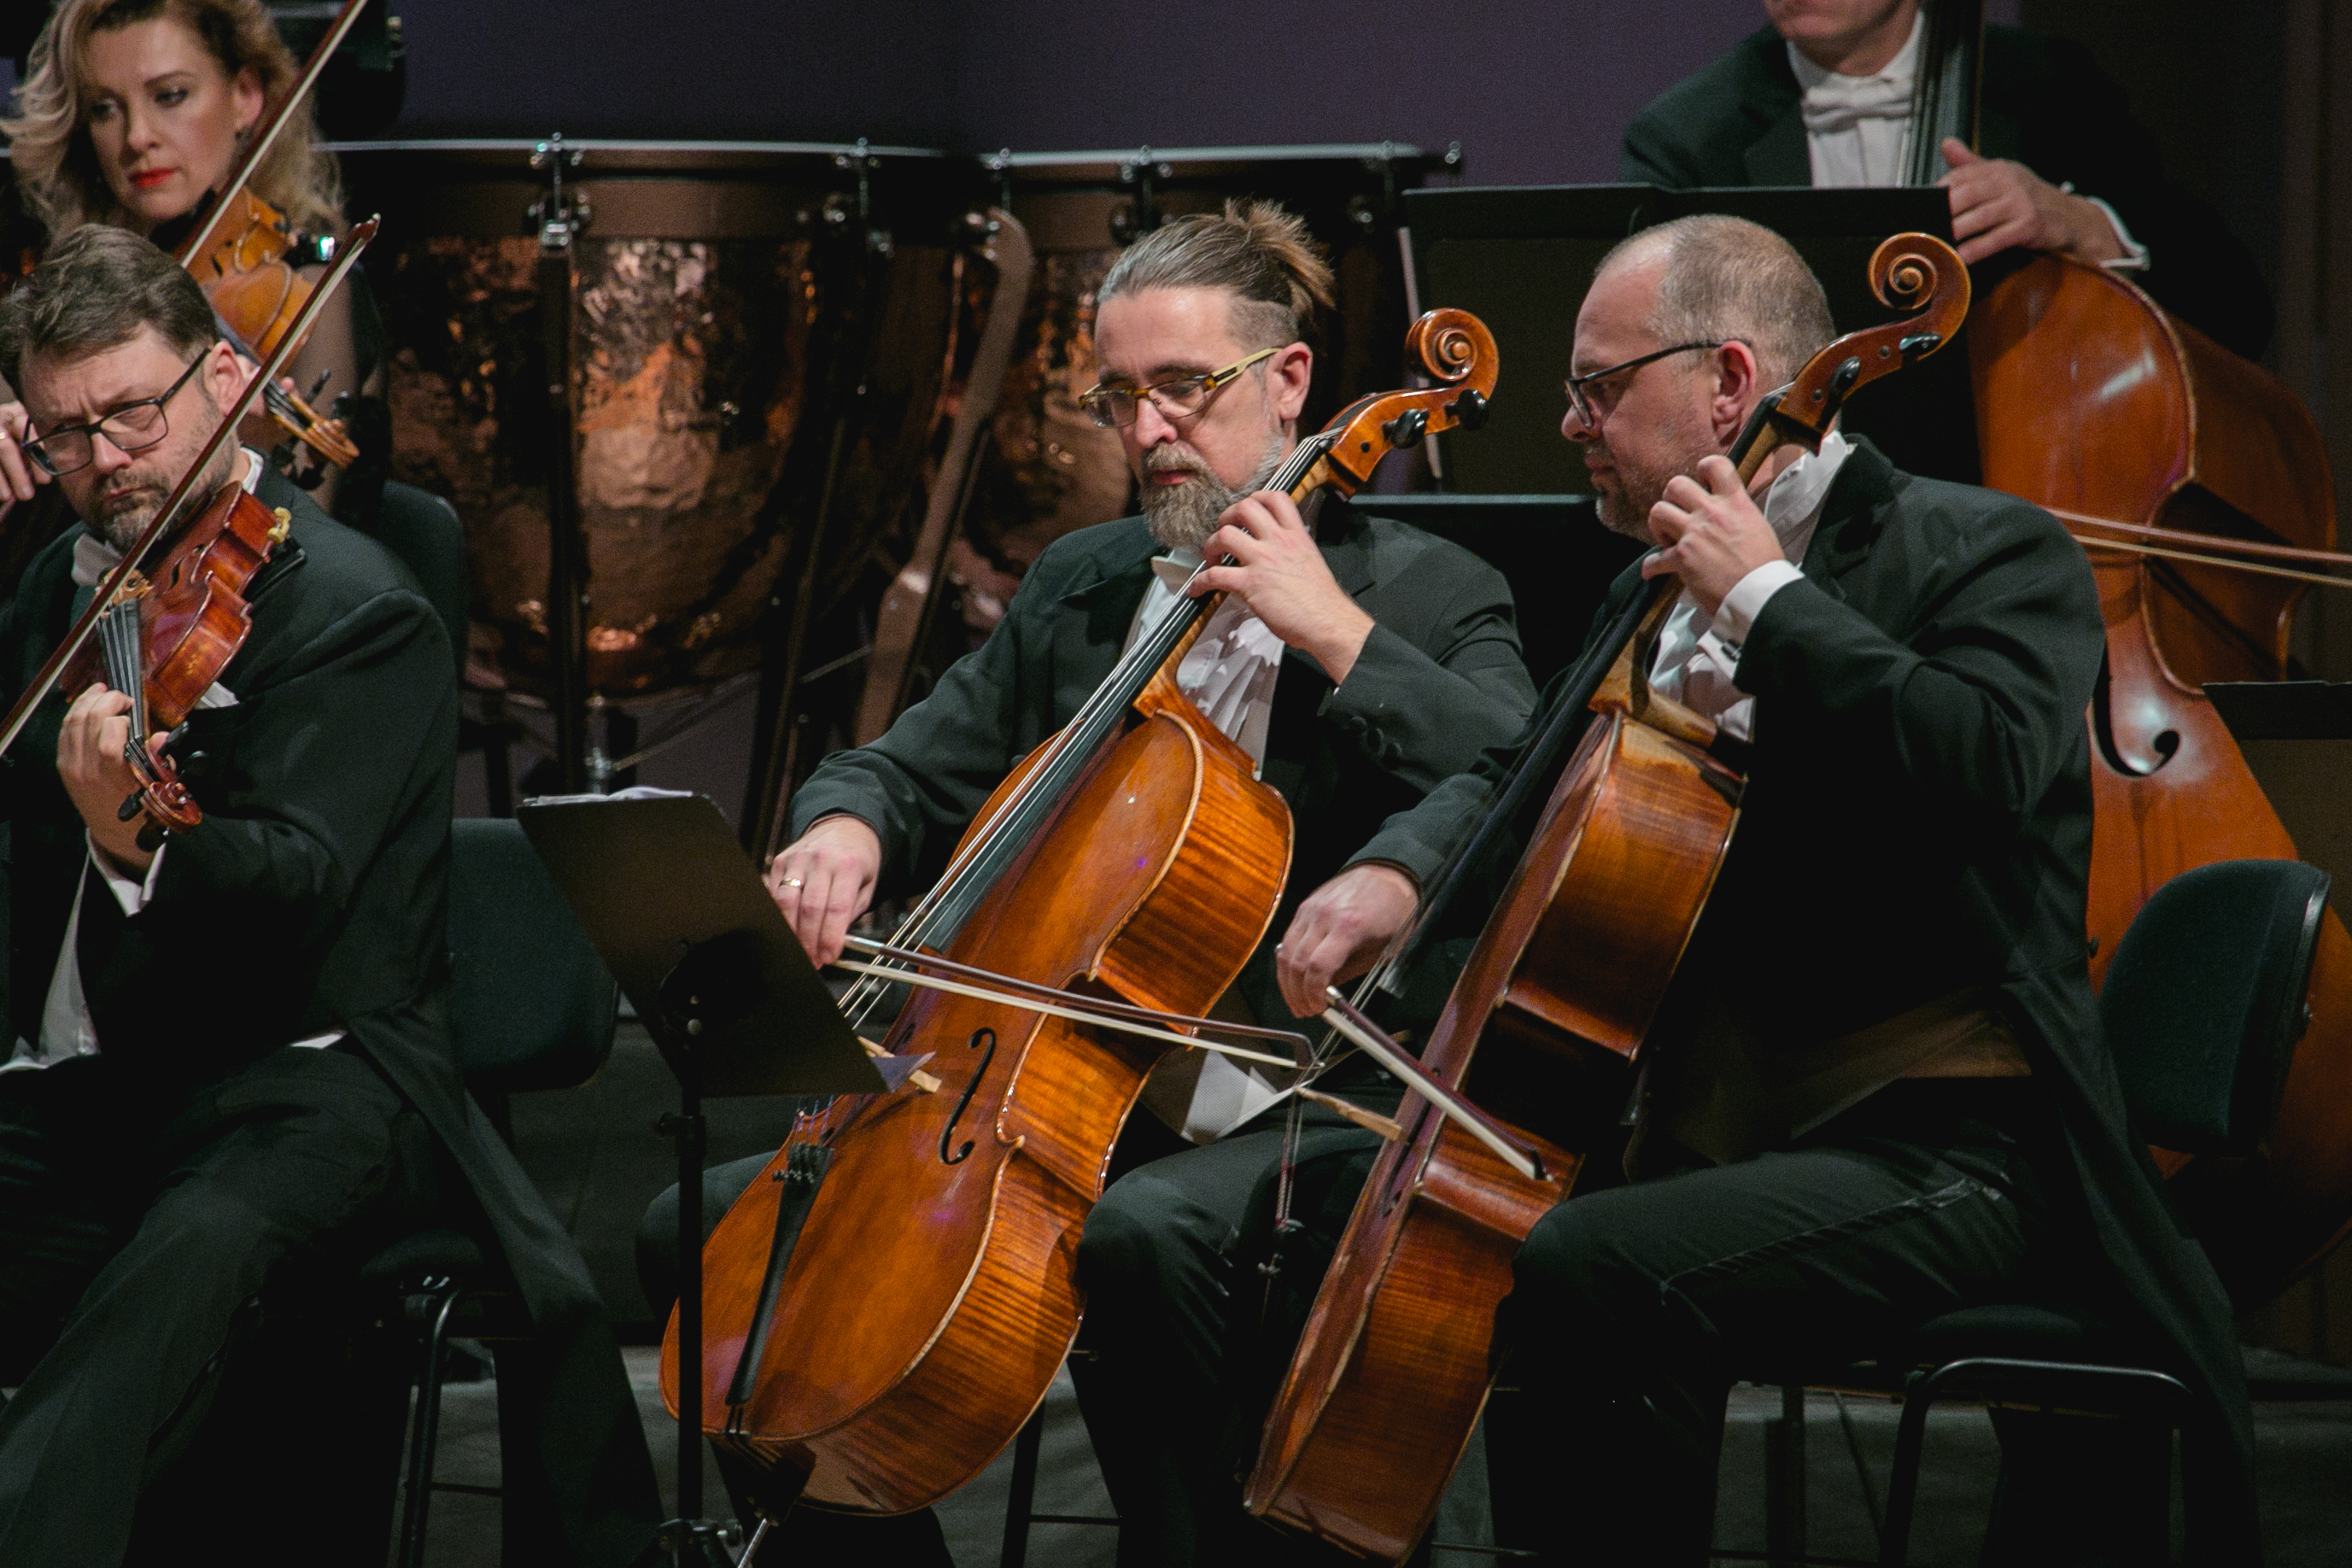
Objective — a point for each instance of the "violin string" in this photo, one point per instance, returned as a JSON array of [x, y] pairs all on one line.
[[1015, 823]]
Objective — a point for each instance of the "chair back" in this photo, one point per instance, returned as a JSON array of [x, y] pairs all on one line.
[[2204, 1001], [531, 1005], [423, 530]]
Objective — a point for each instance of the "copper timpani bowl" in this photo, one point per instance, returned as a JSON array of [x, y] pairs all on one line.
[[759, 332]]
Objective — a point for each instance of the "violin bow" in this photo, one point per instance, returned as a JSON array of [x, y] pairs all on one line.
[[21, 713], [258, 148]]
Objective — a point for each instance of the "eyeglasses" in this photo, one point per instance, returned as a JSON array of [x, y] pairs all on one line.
[[1180, 398], [1590, 412], [134, 428]]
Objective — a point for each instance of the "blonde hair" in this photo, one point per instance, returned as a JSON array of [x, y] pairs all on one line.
[[1263, 254], [57, 166]]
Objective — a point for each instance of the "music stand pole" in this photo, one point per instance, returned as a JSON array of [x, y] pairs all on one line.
[[688, 1530], [669, 900]]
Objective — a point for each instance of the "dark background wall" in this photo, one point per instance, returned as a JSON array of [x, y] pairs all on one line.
[[1535, 90]]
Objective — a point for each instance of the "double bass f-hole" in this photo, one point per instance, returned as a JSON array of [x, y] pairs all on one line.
[[947, 1133], [2164, 743]]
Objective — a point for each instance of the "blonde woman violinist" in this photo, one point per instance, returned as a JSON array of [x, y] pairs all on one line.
[[135, 113]]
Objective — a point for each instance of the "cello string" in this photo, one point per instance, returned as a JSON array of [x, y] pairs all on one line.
[[930, 961], [1013, 823], [1055, 1010]]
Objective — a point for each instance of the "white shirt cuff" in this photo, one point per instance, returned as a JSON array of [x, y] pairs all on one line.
[[2135, 256], [132, 895], [1746, 600]]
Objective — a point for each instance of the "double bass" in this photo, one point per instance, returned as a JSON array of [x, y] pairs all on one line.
[[2199, 486], [1544, 1030], [888, 1303]]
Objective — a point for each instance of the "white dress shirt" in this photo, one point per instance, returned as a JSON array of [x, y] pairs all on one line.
[[1229, 673], [1229, 670], [1858, 129], [66, 1027], [1698, 657]]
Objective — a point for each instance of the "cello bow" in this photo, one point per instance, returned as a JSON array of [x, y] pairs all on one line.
[[1560, 992]]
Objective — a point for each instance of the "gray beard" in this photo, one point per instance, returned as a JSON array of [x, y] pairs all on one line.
[[1184, 516], [121, 529]]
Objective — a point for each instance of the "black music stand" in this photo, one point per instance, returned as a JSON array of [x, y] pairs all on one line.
[[679, 916], [2296, 738]]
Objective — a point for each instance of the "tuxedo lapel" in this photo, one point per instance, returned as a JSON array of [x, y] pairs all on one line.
[[1850, 516], [1780, 156]]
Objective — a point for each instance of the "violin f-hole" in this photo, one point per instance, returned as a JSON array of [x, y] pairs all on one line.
[[947, 1133]]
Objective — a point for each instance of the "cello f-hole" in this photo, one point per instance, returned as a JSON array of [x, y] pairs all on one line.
[[947, 1133]]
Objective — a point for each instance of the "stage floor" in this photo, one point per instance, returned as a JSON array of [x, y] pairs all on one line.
[[2305, 1449]]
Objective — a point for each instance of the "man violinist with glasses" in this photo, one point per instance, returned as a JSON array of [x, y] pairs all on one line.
[[228, 1063], [1358, 663]]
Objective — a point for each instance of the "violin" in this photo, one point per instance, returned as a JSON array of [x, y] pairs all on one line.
[[885, 1306], [166, 637], [164, 632], [1519, 1091], [240, 256]]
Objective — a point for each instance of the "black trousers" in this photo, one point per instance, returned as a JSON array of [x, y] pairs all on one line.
[[135, 1236], [1635, 1309], [1194, 1303]]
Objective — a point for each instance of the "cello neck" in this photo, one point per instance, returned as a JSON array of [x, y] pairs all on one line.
[[1944, 91], [1104, 714]]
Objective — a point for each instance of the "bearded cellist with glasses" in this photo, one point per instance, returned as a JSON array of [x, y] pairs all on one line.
[[1356, 659]]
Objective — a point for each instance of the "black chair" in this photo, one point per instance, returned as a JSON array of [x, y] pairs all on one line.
[[423, 530], [531, 1008], [2202, 1006]]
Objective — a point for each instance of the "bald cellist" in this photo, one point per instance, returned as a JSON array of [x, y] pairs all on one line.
[[1877, 1089]]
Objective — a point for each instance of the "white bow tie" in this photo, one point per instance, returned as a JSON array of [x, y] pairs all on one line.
[[93, 558], [1844, 101]]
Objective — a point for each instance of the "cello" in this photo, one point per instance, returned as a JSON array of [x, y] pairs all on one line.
[[2189, 475], [888, 1303], [1544, 1030]]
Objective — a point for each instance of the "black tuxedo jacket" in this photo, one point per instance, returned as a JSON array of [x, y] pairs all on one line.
[[1438, 680], [1918, 820], [2045, 104], [313, 896]]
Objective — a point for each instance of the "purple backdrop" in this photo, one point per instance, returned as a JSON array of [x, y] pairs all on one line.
[[1535, 90]]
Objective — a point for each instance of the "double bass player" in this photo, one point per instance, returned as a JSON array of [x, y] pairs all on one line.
[[1877, 1091]]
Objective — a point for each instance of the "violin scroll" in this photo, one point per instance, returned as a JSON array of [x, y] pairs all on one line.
[[160, 797]]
